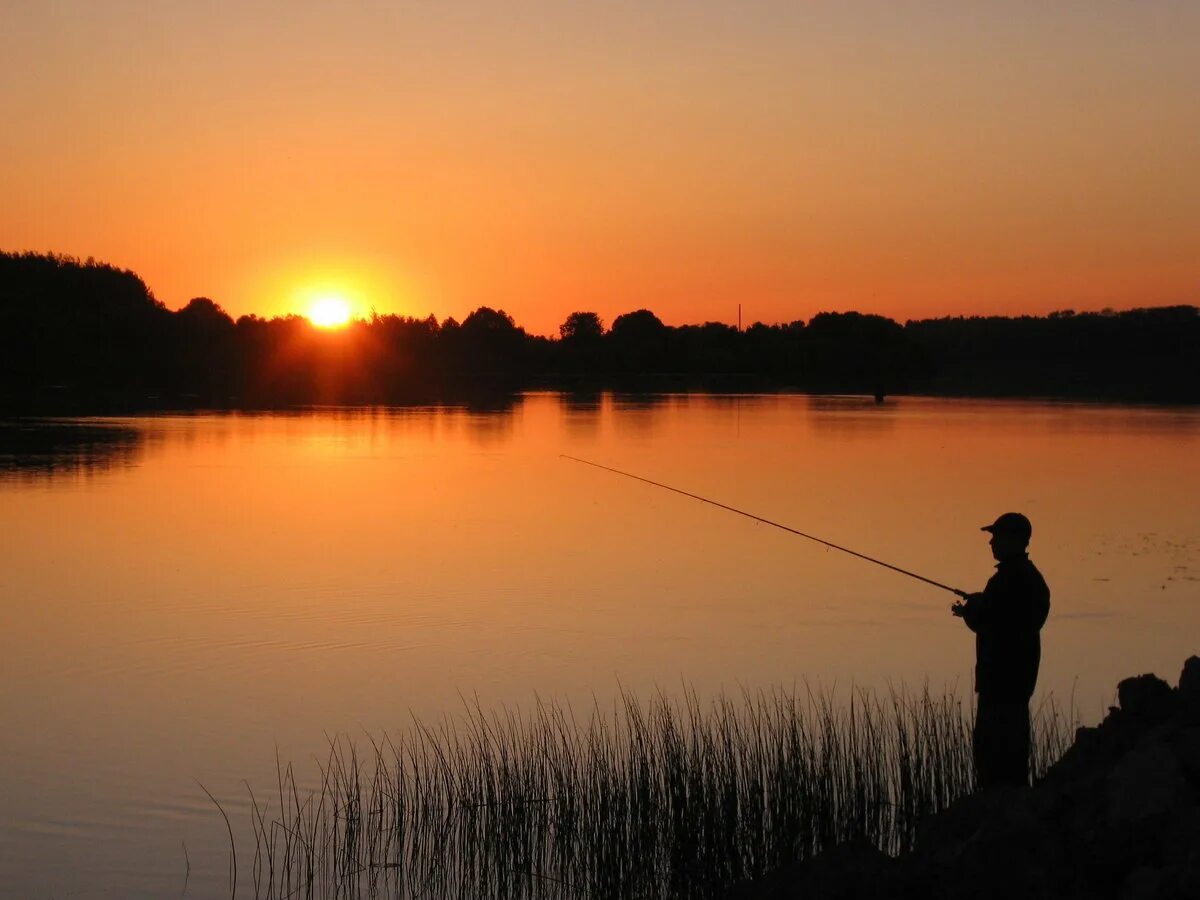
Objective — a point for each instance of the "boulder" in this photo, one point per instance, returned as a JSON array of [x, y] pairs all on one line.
[[1181, 839], [1147, 698], [845, 872], [1185, 744], [1004, 850], [1146, 783], [1187, 841], [1145, 883], [1189, 684]]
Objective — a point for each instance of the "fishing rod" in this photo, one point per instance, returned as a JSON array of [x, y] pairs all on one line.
[[742, 512]]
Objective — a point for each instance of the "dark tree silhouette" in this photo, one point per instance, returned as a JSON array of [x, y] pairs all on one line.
[[870, 352], [488, 321], [639, 341], [89, 335], [490, 342], [202, 314], [580, 350], [64, 322], [711, 347], [1138, 354], [582, 328], [640, 324], [202, 336]]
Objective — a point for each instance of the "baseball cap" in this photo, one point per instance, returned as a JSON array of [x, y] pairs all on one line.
[[1011, 523]]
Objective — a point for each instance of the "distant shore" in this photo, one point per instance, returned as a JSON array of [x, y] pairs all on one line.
[[88, 337]]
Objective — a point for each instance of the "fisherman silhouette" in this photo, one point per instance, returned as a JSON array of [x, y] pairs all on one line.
[[1006, 618]]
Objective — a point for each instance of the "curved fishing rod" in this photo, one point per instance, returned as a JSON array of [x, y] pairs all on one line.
[[742, 512]]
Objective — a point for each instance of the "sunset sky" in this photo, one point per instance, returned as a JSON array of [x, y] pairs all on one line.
[[910, 159]]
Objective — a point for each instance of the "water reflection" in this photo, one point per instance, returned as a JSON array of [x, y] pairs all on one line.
[[728, 408], [499, 401], [38, 448], [638, 414], [491, 421], [851, 417], [244, 581], [490, 430], [581, 411]]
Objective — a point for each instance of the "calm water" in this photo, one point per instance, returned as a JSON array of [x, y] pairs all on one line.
[[185, 596]]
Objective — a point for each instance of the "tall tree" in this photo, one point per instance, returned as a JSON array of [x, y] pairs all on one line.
[[581, 327]]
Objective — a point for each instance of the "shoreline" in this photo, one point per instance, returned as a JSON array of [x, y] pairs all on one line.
[[1116, 816], [500, 394]]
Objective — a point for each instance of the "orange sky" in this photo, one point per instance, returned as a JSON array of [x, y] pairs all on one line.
[[909, 159]]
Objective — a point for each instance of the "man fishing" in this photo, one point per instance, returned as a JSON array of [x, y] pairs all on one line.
[[1006, 618]]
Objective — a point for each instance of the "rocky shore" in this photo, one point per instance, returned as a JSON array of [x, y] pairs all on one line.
[[1116, 817]]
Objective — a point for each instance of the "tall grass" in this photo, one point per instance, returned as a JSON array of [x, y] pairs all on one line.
[[651, 798]]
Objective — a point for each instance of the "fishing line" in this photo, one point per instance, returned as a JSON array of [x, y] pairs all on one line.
[[748, 515]]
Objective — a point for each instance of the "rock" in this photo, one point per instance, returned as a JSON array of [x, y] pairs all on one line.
[[1011, 855], [1145, 883], [963, 819], [1146, 697], [850, 873], [1104, 855], [1189, 684], [1181, 838], [846, 872], [1147, 782], [1096, 749], [1117, 817], [1185, 744], [1189, 868]]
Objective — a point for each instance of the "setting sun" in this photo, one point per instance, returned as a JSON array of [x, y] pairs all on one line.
[[329, 312]]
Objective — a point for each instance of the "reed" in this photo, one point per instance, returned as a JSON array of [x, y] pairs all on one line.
[[648, 798]]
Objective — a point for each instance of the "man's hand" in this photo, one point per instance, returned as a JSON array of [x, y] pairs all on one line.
[[960, 608]]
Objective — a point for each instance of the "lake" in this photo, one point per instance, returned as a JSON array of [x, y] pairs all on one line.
[[185, 597]]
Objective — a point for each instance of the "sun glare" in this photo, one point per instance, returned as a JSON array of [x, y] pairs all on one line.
[[329, 312]]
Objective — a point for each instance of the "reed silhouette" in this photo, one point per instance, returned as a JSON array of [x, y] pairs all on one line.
[[652, 798]]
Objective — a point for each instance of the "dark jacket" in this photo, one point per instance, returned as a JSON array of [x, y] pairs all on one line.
[[1006, 619]]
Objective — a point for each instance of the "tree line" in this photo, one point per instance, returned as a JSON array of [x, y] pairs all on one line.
[[73, 330]]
